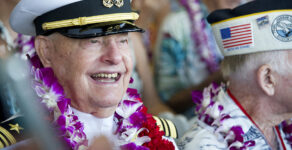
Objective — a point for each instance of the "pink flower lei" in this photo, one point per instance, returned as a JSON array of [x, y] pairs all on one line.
[[135, 128], [209, 111]]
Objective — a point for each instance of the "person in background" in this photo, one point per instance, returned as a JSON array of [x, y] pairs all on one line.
[[12, 43], [12, 123], [143, 77], [152, 15], [186, 55], [254, 110], [7, 35]]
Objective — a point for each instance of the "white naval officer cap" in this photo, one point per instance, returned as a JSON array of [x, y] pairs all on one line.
[[74, 18]]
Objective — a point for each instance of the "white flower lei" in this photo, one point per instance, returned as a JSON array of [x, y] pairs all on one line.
[[210, 112]]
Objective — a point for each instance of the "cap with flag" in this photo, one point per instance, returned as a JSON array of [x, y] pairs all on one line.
[[257, 26], [74, 18]]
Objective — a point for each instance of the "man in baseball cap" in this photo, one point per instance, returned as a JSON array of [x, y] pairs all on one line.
[[248, 112]]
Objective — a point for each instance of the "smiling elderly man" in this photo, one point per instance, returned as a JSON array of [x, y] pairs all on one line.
[[84, 43], [251, 112]]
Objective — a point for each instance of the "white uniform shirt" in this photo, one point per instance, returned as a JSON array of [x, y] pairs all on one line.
[[95, 127]]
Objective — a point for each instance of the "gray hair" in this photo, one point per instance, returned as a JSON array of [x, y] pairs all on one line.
[[243, 66]]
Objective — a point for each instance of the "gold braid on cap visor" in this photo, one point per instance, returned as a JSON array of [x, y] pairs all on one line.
[[89, 20]]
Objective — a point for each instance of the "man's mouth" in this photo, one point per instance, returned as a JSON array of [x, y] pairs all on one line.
[[106, 77]]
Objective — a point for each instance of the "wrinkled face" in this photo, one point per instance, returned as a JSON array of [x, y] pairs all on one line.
[[284, 85], [93, 71]]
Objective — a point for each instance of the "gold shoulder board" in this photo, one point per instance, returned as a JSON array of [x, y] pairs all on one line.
[[167, 126]]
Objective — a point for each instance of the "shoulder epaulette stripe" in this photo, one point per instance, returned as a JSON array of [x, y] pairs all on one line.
[[159, 123], [9, 136], [165, 127], [173, 129], [166, 122], [1, 145], [3, 141], [162, 128]]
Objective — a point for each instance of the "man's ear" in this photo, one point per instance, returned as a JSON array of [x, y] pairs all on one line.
[[266, 79], [44, 48]]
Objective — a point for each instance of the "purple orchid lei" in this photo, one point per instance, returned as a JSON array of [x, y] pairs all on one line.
[[128, 119], [198, 35], [52, 96], [25, 45], [210, 112]]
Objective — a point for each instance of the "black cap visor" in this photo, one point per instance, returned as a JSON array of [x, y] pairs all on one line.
[[97, 30]]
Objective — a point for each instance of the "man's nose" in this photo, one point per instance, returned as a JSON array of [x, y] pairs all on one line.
[[112, 53]]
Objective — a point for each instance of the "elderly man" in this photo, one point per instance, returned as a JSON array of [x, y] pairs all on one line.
[[249, 112], [85, 70]]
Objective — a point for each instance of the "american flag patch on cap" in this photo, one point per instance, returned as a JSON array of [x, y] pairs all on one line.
[[237, 37]]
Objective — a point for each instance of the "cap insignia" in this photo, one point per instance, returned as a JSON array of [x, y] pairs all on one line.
[[282, 28], [111, 3], [237, 37], [119, 3], [15, 127], [108, 3], [263, 21]]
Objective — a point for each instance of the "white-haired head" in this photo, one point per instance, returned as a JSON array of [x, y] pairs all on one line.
[[243, 67]]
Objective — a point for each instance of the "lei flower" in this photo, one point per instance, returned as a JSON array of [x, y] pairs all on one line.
[[134, 130], [287, 129], [210, 112], [25, 45], [51, 94], [199, 37]]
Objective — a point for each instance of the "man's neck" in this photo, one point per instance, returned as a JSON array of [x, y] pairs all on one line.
[[265, 111], [98, 112]]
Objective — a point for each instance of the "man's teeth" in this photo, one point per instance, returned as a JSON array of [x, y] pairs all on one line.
[[104, 75], [108, 81]]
